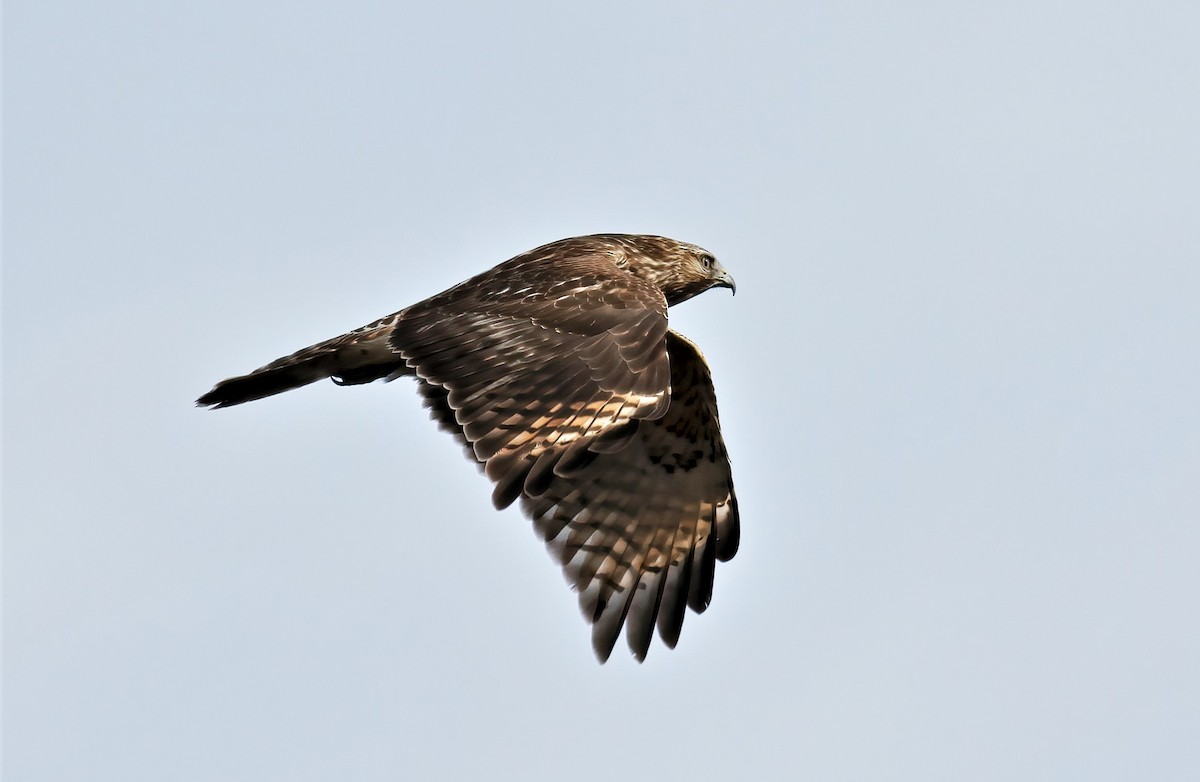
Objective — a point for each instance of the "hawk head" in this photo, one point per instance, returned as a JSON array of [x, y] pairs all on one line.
[[680, 270]]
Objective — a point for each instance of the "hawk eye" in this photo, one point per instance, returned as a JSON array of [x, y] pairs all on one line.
[[707, 261]]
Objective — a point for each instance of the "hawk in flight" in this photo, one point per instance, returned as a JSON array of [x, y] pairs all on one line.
[[557, 372]]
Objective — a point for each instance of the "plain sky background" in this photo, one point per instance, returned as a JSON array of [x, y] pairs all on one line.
[[959, 383]]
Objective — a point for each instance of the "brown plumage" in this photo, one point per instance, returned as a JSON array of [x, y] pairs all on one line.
[[557, 372]]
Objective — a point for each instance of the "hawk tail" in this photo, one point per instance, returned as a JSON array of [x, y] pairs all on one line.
[[361, 356]]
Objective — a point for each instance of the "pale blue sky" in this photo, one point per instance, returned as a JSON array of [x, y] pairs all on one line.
[[959, 384]]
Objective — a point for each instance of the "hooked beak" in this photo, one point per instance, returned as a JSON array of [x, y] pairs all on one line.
[[725, 280]]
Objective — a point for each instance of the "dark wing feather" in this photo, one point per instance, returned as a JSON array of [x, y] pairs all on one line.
[[639, 529], [529, 367]]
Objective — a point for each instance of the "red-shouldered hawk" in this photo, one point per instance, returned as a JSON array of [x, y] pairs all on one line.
[[557, 372]]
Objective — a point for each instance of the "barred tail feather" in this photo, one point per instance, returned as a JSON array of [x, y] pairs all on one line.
[[358, 357]]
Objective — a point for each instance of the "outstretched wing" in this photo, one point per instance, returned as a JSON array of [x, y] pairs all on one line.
[[637, 520], [638, 530], [535, 369]]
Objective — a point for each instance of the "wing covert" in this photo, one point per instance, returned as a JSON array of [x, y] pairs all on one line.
[[529, 374]]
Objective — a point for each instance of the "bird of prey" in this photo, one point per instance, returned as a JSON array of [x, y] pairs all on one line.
[[557, 373]]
